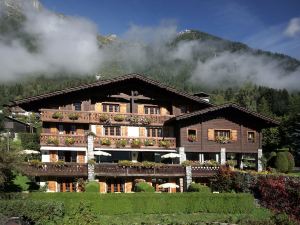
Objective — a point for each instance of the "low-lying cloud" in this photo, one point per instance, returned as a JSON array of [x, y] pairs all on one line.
[[69, 45]]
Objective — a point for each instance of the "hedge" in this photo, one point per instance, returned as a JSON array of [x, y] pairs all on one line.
[[38, 211], [157, 203], [195, 187]]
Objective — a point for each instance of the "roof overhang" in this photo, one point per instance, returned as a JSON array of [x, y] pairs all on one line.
[[262, 120]]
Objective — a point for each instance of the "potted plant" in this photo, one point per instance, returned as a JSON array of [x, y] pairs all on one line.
[[59, 163], [35, 163], [73, 116], [164, 143], [119, 118], [53, 141], [149, 142], [222, 139], [145, 120], [133, 120], [121, 143], [136, 143], [57, 115], [103, 118], [91, 162], [192, 138], [231, 164], [69, 141], [105, 141]]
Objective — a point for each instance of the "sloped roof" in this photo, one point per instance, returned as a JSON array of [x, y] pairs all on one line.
[[267, 120], [110, 81]]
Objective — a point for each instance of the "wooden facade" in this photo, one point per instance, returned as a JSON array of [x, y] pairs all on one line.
[[133, 117]]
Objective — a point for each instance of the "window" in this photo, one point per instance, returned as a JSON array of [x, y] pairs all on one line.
[[60, 128], [77, 106], [112, 131], [222, 133], [251, 136], [192, 135], [183, 109], [154, 132], [73, 129], [152, 110], [111, 107]]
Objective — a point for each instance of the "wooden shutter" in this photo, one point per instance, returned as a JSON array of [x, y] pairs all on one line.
[[52, 186], [99, 129], [53, 130], [142, 131], [80, 157], [124, 131], [141, 109], [123, 107], [53, 156], [211, 134], [163, 111], [234, 135], [98, 107]]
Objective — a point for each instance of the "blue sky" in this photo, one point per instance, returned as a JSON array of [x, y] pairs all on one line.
[[272, 25]]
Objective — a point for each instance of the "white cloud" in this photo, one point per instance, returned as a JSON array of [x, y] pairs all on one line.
[[293, 27]]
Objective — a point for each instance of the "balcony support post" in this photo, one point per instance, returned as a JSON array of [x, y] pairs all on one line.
[[259, 163], [223, 156], [182, 154], [188, 177], [90, 155]]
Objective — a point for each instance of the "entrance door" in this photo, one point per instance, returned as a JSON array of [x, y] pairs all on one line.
[[115, 185], [67, 185]]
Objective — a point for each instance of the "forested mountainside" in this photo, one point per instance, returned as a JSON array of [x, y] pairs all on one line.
[[191, 60]]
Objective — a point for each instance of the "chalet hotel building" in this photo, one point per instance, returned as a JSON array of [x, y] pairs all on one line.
[[135, 118]]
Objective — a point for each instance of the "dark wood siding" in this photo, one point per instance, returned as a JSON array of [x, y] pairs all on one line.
[[202, 144]]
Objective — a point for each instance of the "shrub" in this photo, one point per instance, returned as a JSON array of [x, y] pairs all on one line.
[[143, 187], [281, 162], [291, 161], [196, 187], [223, 181], [57, 115], [73, 116], [92, 186], [37, 211]]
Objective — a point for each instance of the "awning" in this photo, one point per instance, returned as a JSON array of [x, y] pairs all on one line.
[[56, 148]]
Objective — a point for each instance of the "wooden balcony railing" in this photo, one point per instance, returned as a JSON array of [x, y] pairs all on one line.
[[55, 169], [129, 142], [113, 169], [204, 171], [63, 140], [103, 117]]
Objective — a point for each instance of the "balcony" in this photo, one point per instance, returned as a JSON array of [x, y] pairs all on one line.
[[63, 140], [55, 169], [135, 143], [71, 116], [113, 169]]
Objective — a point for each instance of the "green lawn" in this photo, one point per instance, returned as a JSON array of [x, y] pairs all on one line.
[[163, 208]]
